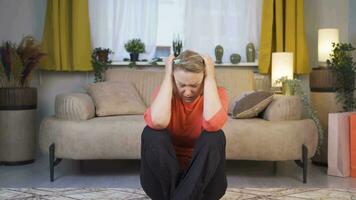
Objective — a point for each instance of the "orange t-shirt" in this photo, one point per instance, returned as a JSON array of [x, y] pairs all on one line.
[[187, 122]]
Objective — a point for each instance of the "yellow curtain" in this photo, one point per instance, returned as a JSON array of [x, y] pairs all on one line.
[[283, 31], [66, 37]]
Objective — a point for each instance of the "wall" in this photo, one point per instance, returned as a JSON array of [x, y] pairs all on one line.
[[352, 25], [324, 14], [22, 17]]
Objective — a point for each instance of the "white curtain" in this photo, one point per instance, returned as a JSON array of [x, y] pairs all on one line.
[[114, 22], [230, 23]]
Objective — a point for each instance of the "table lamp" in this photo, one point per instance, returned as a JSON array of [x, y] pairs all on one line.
[[326, 37], [282, 66]]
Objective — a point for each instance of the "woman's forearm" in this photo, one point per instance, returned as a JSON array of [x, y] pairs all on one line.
[[161, 106], [212, 103]]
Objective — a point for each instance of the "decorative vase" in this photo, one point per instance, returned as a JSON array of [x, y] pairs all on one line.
[[235, 58], [134, 57], [287, 89], [219, 52], [17, 125], [250, 52]]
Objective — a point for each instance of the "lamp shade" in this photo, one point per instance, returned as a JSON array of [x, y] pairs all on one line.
[[325, 39], [282, 66]]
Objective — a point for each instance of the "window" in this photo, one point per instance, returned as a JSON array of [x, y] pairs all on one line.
[[202, 24], [170, 21]]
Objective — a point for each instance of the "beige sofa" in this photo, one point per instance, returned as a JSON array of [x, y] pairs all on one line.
[[75, 133]]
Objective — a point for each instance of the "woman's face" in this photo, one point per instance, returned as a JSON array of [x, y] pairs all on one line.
[[189, 85]]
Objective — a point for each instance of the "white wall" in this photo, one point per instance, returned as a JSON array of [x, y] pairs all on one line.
[[325, 14], [22, 17], [352, 25]]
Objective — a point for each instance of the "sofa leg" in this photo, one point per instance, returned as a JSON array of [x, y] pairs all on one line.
[[304, 163], [274, 167], [52, 161], [81, 165]]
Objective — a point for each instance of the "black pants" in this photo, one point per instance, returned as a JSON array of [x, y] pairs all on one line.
[[161, 177]]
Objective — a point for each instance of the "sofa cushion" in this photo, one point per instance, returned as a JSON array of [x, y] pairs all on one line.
[[74, 106], [236, 99], [259, 139], [284, 108], [116, 98], [251, 104]]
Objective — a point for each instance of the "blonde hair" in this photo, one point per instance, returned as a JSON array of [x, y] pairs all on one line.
[[189, 61]]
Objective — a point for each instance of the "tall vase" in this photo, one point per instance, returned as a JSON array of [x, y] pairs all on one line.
[[250, 52], [17, 125], [219, 52]]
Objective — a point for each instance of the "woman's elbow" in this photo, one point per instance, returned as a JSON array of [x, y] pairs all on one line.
[[159, 124]]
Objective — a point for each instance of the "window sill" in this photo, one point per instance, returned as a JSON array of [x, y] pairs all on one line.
[[161, 64]]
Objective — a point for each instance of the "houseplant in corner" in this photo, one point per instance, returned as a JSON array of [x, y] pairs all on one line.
[[100, 62], [18, 101], [135, 47], [344, 69]]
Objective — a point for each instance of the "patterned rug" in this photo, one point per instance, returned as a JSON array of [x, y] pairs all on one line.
[[138, 194]]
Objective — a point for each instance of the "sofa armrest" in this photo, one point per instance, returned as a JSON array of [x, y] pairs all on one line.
[[284, 108], [74, 106]]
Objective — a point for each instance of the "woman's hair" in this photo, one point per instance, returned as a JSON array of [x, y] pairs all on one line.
[[189, 61]]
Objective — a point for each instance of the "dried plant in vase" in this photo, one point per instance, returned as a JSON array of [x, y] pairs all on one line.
[[18, 62]]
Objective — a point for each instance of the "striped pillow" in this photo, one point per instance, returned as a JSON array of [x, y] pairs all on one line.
[[251, 105]]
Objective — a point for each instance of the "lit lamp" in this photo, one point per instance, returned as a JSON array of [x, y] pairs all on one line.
[[326, 37], [282, 66]]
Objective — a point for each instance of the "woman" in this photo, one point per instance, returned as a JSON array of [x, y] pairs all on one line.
[[183, 146]]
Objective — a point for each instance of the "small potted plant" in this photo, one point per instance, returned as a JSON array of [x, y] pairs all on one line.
[[100, 62], [177, 46], [18, 101], [288, 85], [295, 87], [135, 47]]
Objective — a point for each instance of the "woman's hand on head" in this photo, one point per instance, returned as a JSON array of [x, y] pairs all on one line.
[[209, 66], [169, 65]]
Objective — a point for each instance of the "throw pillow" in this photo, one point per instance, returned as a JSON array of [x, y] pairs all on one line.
[[116, 98], [236, 99], [252, 104]]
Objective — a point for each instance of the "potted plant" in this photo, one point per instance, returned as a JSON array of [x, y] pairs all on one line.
[[18, 101], [135, 47], [177, 46], [100, 62], [344, 70]]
